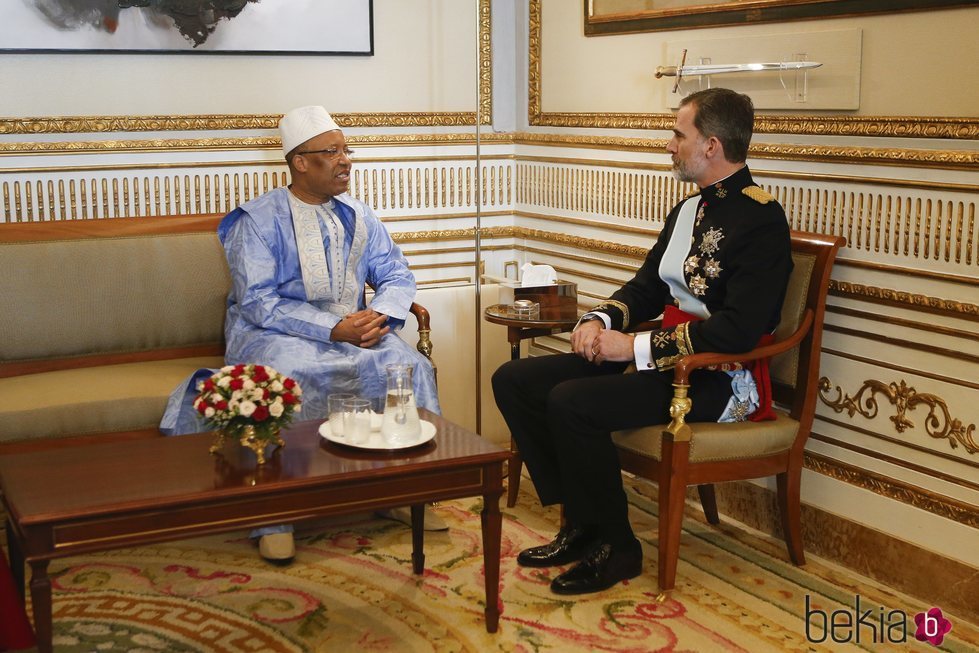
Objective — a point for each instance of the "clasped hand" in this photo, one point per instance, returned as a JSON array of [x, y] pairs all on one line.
[[364, 328], [596, 344]]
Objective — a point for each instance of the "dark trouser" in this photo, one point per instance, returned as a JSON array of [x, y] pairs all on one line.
[[561, 410]]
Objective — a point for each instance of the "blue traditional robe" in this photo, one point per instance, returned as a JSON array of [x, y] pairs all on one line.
[[271, 319]]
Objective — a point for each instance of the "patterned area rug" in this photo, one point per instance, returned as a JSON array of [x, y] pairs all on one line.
[[351, 589]]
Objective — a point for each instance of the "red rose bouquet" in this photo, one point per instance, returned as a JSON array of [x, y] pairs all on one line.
[[248, 401]]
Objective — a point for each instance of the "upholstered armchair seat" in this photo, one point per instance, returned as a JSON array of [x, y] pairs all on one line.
[[717, 442]]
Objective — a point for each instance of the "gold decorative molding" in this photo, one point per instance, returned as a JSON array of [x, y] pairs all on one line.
[[221, 144], [964, 128], [903, 398], [908, 494], [872, 126], [946, 159], [904, 299], [950, 159], [221, 122], [877, 126], [485, 63]]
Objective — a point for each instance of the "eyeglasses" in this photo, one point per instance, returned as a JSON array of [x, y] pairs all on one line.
[[331, 152]]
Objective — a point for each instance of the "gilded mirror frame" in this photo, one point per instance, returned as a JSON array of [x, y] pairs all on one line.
[[693, 14]]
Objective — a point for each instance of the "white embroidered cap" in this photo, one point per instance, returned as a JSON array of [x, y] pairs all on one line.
[[302, 124]]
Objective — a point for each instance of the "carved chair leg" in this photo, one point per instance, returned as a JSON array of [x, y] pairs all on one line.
[[709, 502], [789, 485], [514, 467], [672, 490]]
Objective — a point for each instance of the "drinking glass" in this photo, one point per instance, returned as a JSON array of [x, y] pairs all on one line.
[[357, 420], [334, 406]]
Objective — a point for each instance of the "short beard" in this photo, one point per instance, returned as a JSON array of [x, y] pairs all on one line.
[[682, 173]]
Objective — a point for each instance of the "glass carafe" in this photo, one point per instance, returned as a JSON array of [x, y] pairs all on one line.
[[400, 426]]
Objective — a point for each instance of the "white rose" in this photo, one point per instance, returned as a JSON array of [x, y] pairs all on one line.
[[224, 381], [276, 409], [237, 396], [227, 369], [209, 412], [256, 394], [276, 386], [246, 408]]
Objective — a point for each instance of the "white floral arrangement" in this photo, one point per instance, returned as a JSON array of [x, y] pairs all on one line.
[[238, 396]]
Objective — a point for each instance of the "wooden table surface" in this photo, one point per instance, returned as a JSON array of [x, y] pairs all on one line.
[[104, 496]]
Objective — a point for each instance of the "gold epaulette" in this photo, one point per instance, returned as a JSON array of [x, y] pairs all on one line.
[[758, 194], [694, 193]]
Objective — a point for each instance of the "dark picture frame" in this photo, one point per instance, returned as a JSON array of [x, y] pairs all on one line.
[[276, 27], [692, 14]]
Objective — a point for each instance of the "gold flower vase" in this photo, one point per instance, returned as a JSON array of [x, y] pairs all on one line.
[[249, 437]]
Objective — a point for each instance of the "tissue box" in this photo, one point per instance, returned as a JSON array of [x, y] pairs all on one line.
[[562, 293]]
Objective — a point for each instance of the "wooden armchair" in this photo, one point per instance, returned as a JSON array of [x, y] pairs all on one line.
[[680, 454]]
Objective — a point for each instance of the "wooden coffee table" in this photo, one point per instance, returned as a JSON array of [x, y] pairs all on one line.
[[105, 496]]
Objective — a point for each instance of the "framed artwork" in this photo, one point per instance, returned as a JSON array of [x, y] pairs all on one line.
[[323, 27], [627, 16]]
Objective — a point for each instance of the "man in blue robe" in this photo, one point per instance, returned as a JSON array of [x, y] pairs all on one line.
[[300, 258]]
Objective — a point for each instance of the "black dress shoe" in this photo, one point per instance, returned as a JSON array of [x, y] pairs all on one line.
[[603, 567], [570, 545]]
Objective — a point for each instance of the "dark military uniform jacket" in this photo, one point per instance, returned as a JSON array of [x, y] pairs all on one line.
[[738, 265]]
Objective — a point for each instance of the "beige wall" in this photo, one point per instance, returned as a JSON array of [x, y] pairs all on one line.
[[908, 66], [424, 60]]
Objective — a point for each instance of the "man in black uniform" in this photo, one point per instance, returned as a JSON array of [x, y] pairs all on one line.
[[718, 273]]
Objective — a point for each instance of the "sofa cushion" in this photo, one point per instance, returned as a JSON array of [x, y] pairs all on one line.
[[64, 298], [107, 398]]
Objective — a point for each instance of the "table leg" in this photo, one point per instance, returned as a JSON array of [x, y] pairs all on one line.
[[418, 538], [41, 599], [492, 524], [16, 559]]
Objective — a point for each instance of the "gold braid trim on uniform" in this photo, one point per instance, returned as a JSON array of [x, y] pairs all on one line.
[[667, 362], [611, 303], [694, 193], [683, 339], [758, 194]]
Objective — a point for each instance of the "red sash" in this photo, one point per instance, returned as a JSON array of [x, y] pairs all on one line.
[[15, 630], [673, 316]]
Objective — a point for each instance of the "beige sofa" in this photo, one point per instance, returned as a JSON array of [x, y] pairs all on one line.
[[101, 319]]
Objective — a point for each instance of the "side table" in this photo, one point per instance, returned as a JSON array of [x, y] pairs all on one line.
[[552, 319]]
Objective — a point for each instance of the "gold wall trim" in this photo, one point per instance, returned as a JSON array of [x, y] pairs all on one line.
[[930, 327], [434, 282], [939, 423], [904, 299], [903, 370], [906, 493], [912, 345], [221, 122], [485, 62], [250, 143], [877, 126], [900, 462], [903, 271], [945, 159]]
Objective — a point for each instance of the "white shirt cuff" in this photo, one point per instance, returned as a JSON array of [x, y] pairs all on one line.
[[606, 320], [642, 349]]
